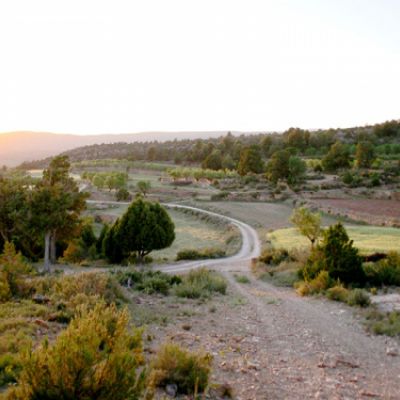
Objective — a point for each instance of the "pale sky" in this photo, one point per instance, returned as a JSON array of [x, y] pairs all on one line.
[[93, 66]]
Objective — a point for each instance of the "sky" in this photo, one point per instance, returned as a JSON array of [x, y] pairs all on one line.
[[94, 66]]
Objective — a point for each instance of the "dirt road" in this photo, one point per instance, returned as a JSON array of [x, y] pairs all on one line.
[[277, 345]]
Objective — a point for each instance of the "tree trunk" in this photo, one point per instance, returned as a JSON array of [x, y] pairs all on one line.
[[53, 249], [47, 237]]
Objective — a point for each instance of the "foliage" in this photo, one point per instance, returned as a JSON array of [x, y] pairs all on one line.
[[365, 154], [194, 254], [13, 270], [242, 279], [272, 256], [107, 180], [199, 173], [201, 283], [336, 255], [148, 281], [190, 371], [95, 357], [143, 187], [250, 161], [384, 323], [337, 157], [213, 161], [384, 272], [296, 170], [278, 166], [358, 297], [144, 227], [308, 223], [122, 195], [338, 293]]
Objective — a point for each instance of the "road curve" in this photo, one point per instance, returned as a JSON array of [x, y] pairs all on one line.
[[250, 243]]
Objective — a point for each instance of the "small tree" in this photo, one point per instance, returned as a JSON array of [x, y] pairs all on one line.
[[297, 170], [278, 166], [308, 223], [337, 157], [144, 227], [250, 161], [143, 187], [365, 154], [336, 255]]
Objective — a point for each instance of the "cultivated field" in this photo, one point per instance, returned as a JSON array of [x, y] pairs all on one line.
[[367, 238]]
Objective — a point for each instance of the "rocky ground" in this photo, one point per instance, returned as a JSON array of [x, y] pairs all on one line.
[[269, 343]]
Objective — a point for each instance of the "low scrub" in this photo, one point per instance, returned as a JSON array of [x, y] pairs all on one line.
[[95, 357], [384, 323], [385, 271], [194, 254], [201, 283], [338, 293], [358, 297], [272, 256], [189, 371], [149, 282]]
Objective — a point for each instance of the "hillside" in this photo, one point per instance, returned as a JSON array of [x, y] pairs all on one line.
[[17, 147]]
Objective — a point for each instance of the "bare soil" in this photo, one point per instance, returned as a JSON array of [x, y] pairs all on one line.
[[269, 343]]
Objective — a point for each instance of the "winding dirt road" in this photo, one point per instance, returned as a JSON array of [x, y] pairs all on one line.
[[292, 347]]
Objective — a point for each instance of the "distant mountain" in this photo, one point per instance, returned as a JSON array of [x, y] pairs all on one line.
[[16, 147]]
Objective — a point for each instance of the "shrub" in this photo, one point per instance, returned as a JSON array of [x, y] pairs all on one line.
[[242, 279], [336, 255], [385, 271], [338, 293], [149, 281], [188, 370], [273, 256], [201, 283], [13, 270], [194, 254], [321, 283], [384, 323], [95, 357], [358, 297]]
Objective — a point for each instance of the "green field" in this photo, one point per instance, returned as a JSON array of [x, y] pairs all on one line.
[[367, 238]]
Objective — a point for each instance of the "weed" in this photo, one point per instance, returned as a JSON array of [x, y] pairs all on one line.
[[242, 279], [174, 365]]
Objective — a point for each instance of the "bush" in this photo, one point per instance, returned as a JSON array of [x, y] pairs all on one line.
[[188, 370], [385, 271], [193, 254], [384, 323], [95, 357], [149, 282], [13, 270], [273, 256], [336, 255], [338, 293], [358, 297], [321, 283], [201, 283]]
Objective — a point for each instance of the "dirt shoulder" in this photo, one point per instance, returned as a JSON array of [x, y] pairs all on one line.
[[269, 343]]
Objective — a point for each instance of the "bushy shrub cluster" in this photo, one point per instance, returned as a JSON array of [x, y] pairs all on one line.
[[272, 256], [96, 357], [385, 271], [148, 281], [188, 370], [194, 254], [201, 283]]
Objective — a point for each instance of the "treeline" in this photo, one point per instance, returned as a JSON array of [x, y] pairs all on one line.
[[225, 152]]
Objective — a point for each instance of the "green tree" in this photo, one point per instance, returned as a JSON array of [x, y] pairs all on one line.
[[250, 161], [278, 166], [143, 187], [337, 255], [144, 227], [56, 206], [337, 157], [297, 170], [365, 154], [213, 161], [308, 223]]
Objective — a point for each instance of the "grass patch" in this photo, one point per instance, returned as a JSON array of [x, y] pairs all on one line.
[[201, 283], [383, 323], [194, 254], [368, 239], [242, 279]]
